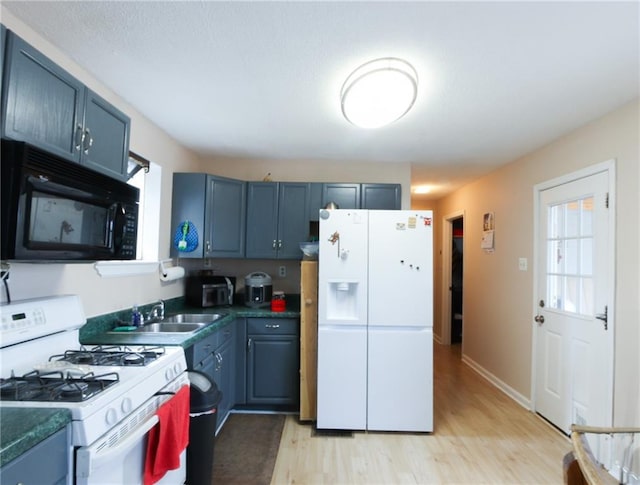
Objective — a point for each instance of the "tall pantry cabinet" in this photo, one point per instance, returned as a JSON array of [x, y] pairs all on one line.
[[308, 338]]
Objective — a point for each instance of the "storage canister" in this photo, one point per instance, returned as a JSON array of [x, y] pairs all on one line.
[[278, 303]]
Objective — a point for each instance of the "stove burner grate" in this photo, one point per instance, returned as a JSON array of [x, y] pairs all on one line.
[[111, 355], [55, 386]]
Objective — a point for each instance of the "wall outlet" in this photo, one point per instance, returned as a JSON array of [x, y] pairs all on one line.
[[522, 264], [282, 271]]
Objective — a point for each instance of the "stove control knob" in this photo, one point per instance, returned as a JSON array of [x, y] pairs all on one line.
[[111, 417], [126, 405], [176, 369]]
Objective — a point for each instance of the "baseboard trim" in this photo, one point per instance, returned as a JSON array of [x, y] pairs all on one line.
[[508, 390]]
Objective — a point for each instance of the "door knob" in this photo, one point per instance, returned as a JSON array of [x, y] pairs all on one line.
[[539, 318]]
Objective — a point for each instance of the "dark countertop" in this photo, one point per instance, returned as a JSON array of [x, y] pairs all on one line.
[[181, 339], [23, 428]]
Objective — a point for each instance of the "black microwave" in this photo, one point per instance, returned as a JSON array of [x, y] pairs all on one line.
[[57, 210]]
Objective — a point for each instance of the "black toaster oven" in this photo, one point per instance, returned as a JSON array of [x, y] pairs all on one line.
[[209, 291]]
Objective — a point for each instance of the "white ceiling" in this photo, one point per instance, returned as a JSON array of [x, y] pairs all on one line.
[[261, 79]]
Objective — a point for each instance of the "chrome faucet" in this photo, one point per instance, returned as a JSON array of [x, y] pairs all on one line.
[[157, 311]]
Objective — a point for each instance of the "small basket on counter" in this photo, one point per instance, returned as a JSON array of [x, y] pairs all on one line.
[[310, 250]]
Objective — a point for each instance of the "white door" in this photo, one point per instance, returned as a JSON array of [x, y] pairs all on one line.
[[574, 340]]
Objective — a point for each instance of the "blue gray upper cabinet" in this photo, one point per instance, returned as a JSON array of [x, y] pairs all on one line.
[[216, 206], [3, 44], [380, 196], [277, 219], [106, 137], [46, 106], [347, 196]]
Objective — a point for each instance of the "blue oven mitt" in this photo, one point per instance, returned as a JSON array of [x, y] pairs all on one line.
[[186, 238]]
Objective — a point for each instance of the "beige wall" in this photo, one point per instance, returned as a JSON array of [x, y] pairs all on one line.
[[498, 297]]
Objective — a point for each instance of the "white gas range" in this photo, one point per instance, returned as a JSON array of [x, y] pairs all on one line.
[[112, 392]]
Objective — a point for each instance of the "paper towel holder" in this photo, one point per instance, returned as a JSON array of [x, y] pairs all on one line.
[[172, 273], [163, 270]]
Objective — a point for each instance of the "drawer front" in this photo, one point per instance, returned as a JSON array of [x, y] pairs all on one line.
[[202, 349], [275, 326], [225, 334]]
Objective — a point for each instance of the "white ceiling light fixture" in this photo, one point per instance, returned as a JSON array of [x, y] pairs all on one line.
[[379, 92]]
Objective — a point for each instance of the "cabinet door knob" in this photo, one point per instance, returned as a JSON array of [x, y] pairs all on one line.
[[309, 301], [274, 244]]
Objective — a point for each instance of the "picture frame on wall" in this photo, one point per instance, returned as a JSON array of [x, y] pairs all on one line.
[[488, 234]]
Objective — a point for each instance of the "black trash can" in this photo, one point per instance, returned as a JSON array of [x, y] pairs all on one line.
[[205, 397]]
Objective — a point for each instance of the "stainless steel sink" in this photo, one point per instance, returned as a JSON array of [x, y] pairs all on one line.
[[185, 318], [171, 327], [179, 323]]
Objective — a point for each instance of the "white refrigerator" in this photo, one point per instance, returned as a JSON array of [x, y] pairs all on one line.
[[375, 320]]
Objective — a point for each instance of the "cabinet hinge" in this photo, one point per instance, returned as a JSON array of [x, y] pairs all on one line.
[[606, 201]]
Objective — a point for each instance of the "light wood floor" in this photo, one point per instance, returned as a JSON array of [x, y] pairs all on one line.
[[481, 436]]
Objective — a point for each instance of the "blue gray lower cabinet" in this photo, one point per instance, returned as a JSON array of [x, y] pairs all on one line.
[[215, 357], [255, 362], [273, 361], [47, 463]]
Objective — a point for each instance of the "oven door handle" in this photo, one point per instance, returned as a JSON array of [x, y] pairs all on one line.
[[91, 460]]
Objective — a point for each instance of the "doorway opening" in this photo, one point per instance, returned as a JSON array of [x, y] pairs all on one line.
[[457, 262], [451, 316]]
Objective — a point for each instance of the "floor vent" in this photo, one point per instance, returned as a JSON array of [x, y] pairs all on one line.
[[331, 433]]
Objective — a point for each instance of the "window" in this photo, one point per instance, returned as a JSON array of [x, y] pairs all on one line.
[[147, 177], [570, 257]]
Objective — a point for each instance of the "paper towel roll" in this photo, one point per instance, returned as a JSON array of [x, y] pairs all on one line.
[[173, 273]]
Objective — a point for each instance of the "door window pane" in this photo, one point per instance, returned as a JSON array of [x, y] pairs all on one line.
[[572, 216], [586, 215], [570, 256], [554, 257], [555, 220], [586, 256], [554, 294]]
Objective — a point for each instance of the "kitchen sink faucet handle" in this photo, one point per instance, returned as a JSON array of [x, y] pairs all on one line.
[[157, 311]]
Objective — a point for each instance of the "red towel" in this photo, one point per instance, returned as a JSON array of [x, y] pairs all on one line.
[[168, 438]]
